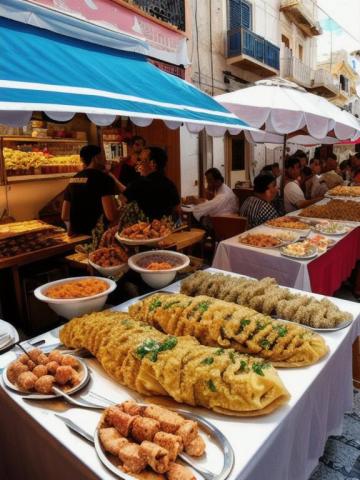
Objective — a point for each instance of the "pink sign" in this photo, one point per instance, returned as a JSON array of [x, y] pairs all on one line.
[[165, 44]]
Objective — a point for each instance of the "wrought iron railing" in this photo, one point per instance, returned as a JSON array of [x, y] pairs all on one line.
[[170, 11], [242, 41]]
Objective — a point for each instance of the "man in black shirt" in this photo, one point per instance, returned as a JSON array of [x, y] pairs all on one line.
[[90, 194], [155, 194]]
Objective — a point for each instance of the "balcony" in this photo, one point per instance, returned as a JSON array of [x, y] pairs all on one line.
[[252, 53], [296, 71], [325, 83], [301, 12], [169, 11]]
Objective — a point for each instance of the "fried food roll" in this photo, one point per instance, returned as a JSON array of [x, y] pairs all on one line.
[[111, 440], [144, 359], [120, 420], [196, 447], [188, 431], [172, 443], [179, 472], [132, 458], [131, 407], [223, 324], [169, 421], [144, 429], [157, 457]]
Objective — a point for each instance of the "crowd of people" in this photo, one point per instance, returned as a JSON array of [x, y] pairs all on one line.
[[145, 192]]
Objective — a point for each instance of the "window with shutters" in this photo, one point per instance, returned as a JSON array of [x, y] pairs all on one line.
[[240, 14], [344, 83]]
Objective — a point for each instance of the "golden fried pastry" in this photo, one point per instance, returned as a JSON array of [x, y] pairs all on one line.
[[55, 356], [172, 443], [196, 447], [120, 420], [344, 191], [265, 296], [157, 457], [15, 369], [26, 381], [63, 374], [223, 324], [70, 361], [132, 458], [40, 370], [179, 472], [52, 367], [146, 360], [144, 429], [111, 440], [44, 384]]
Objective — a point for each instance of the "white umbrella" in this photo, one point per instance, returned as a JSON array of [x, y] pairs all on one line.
[[283, 107]]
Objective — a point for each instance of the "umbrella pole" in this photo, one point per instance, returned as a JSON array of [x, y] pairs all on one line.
[[283, 166]]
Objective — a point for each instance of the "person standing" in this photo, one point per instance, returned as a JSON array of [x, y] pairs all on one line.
[[294, 197], [90, 194], [127, 170]]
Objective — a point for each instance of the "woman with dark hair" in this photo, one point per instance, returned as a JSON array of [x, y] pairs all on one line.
[[258, 208], [90, 194]]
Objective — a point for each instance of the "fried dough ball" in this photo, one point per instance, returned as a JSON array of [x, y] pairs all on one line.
[[44, 384], [40, 370], [15, 369], [31, 364], [23, 359], [70, 361], [42, 359], [55, 356], [63, 374], [52, 366], [34, 354], [26, 380]]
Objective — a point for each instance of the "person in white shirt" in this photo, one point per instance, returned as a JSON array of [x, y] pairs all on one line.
[[221, 199], [294, 197]]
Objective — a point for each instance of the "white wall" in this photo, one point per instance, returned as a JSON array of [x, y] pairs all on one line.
[[189, 159], [219, 154]]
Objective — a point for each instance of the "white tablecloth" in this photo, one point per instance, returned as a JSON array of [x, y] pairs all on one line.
[[284, 445]]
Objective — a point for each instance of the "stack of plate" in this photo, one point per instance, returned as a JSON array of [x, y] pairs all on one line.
[[8, 335]]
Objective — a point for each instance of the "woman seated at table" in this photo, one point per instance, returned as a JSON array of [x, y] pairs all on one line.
[[258, 208]]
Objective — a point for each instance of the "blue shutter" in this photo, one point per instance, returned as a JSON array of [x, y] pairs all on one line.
[[246, 15], [234, 14]]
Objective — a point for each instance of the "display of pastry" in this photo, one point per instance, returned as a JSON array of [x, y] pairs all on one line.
[[223, 324], [147, 231], [152, 363], [26, 244], [344, 191], [287, 222], [19, 228], [265, 296], [334, 210]]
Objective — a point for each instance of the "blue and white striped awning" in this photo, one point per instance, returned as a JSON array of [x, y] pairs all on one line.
[[45, 71]]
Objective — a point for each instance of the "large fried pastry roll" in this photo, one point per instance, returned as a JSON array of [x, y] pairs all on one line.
[[217, 323], [144, 359]]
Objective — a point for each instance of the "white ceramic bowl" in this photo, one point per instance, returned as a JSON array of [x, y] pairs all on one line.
[[75, 307], [115, 271], [158, 278]]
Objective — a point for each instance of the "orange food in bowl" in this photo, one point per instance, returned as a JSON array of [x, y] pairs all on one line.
[[77, 289], [108, 257], [159, 266]]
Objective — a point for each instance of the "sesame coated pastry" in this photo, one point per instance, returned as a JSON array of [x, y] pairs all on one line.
[[222, 324], [152, 363], [265, 296]]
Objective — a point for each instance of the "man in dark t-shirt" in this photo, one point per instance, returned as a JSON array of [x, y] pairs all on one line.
[[155, 194], [90, 194]]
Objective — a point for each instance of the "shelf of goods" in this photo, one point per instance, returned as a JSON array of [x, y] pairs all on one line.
[[28, 158]]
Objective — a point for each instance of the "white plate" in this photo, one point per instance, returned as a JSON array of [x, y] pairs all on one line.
[[84, 371], [281, 244], [216, 444], [300, 257], [129, 241], [11, 335], [338, 232], [301, 233]]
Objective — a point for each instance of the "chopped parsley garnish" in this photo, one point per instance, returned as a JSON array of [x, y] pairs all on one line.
[[243, 367], [207, 361], [219, 351], [155, 304], [265, 344], [211, 385], [232, 356], [170, 304], [152, 347], [243, 324], [203, 306], [260, 325], [281, 330], [259, 367]]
